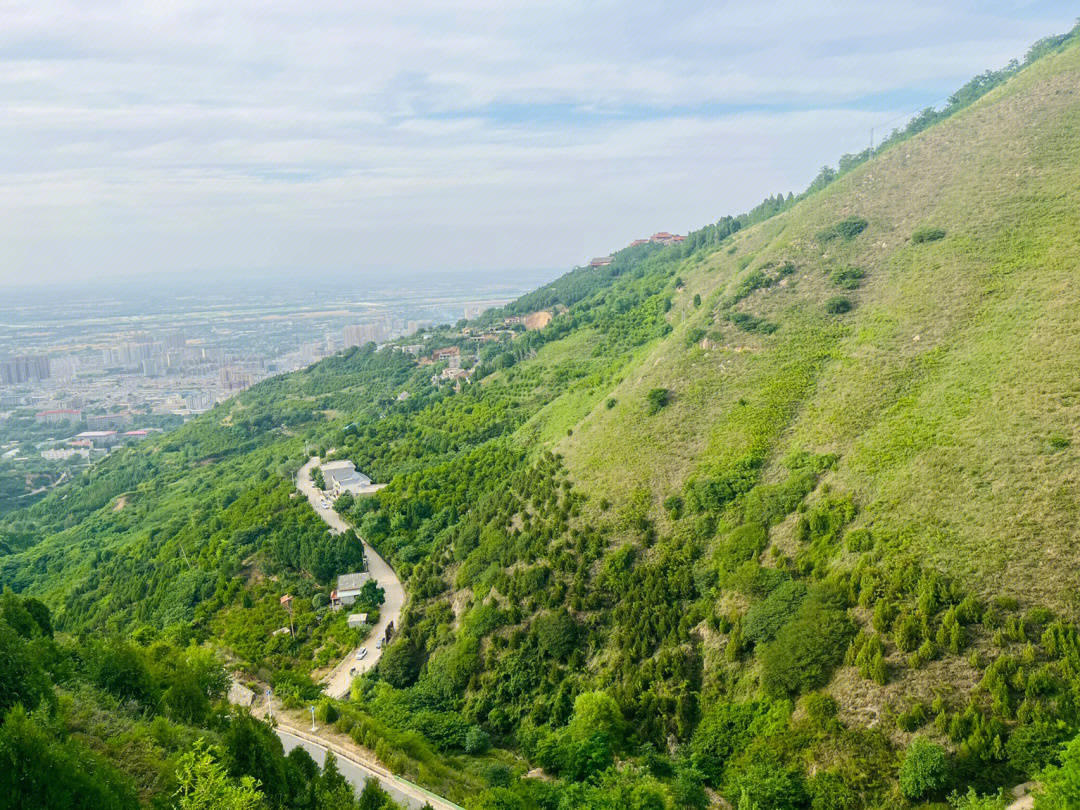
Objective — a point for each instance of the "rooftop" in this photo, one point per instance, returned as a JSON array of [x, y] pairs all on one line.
[[352, 582]]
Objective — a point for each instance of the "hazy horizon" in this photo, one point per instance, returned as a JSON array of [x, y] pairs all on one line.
[[440, 138]]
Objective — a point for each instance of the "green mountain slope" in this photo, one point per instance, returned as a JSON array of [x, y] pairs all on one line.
[[786, 513], [949, 392]]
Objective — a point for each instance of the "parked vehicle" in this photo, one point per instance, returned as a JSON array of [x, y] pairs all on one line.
[[361, 653], [378, 644]]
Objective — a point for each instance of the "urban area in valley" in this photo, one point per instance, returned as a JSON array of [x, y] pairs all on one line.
[[86, 370]]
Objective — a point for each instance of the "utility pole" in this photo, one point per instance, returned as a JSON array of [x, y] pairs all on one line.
[[871, 140], [270, 703]]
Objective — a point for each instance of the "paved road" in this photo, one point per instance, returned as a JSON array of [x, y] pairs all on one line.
[[338, 680], [358, 772]]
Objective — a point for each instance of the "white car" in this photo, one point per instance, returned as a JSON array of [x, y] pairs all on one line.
[[378, 644], [361, 653]]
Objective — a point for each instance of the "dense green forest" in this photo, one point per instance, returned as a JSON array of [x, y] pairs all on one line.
[[730, 525]]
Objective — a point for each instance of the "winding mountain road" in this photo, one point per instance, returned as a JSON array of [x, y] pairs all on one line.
[[338, 680]]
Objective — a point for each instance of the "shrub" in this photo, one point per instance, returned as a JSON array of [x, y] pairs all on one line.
[[838, 305], [694, 336], [326, 712], [847, 278], [846, 229], [764, 620], [808, 648], [926, 234], [477, 741], [1032, 747], [1061, 784], [973, 801], [674, 506], [858, 540], [821, 708], [745, 543], [749, 323], [721, 734], [658, 399], [912, 719], [924, 769]]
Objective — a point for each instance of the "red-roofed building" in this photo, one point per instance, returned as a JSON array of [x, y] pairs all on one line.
[[665, 238]]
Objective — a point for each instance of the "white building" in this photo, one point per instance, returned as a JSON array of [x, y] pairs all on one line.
[[357, 619], [341, 476], [348, 588]]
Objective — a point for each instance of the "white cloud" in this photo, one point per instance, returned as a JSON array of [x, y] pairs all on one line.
[[142, 138]]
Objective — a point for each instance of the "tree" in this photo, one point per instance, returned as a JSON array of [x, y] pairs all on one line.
[[250, 748], [924, 769], [477, 741], [400, 664], [372, 594], [1061, 784], [721, 734], [40, 770], [332, 791], [373, 797], [22, 679], [205, 785], [597, 712], [317, 479]]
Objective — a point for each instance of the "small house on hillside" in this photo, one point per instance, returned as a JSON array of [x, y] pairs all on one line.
[[341, 476], [601, 261], [357, 619], [443, 354], [349, 587]]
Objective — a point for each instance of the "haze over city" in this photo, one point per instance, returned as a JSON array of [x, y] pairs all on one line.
[[196, 138]]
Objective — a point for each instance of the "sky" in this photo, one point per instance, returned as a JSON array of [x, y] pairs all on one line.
[[145, 140]]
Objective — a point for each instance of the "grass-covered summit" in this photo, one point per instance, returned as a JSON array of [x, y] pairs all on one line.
[[787, 513]]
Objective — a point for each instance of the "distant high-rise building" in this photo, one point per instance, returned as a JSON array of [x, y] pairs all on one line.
[[350, 335], [143, 337], [175, 340], [24, 368], [199, 401], [234, 379], [361, 333], [64, 368]]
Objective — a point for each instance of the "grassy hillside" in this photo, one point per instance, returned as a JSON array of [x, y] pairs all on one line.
[[948, 392], [785, 514]]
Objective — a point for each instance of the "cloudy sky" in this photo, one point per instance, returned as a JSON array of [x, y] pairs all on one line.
[[141, 138]]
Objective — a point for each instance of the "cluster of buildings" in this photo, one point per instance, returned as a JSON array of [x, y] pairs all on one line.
[[27, 368], [658, 238], [377, 331]]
